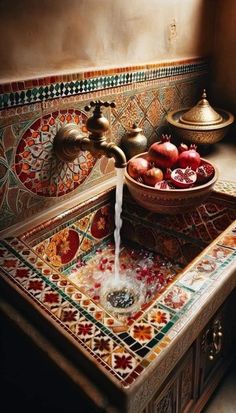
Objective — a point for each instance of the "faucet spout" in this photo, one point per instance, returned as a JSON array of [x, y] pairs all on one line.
[[111, 150], [69, 140]]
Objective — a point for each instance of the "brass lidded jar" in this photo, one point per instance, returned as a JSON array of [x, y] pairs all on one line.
[[201, 114], [134, 142], [201, 124]]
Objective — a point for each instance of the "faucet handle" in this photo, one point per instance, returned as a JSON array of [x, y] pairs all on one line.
[[98, 124], [97, 104]]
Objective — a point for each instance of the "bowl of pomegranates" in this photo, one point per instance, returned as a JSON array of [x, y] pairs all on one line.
[[169, 179]]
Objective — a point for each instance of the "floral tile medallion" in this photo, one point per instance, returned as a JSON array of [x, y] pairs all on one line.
[[194, 280], [229, 240], [176, 298]]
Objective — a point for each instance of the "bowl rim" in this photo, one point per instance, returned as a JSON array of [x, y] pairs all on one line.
[[200, 128], [166, 191]]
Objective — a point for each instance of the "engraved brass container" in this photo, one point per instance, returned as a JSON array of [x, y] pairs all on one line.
[[134, 142], [201, 124]]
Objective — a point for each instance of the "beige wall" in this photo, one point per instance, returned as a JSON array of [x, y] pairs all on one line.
[[224, 56], [54, 36]]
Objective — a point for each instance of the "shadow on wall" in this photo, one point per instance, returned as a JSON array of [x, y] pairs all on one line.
[[223, 80], [47, 37]]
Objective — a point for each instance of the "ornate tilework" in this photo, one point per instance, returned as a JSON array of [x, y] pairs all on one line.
[[122, 350], [31, 178], [48, 88], [36, 165]]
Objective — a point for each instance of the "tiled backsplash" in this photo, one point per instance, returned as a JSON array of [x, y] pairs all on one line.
[[31, 178]]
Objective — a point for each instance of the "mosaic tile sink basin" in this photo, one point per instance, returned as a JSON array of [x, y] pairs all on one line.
[[59, 268], [149, 272]]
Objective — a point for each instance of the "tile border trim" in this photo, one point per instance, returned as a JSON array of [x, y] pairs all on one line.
[[54, 87]]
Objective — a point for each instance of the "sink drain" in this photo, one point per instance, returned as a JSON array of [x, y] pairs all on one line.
[[122, 296]]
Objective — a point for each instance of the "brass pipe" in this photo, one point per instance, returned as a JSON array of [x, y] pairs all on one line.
[[69, 141]]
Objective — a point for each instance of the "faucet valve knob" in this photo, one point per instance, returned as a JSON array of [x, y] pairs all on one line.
[[98, 124], [97, 104]]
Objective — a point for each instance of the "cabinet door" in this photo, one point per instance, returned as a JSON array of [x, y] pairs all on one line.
[[178, 392], [217, 344], [166, 402], [186, 387]]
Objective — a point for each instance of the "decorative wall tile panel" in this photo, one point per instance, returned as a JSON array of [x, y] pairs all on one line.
[[31, 178], [36, 165]]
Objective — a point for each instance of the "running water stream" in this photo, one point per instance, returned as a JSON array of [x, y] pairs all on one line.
[[118, 220], [121, 293], [118, 291]]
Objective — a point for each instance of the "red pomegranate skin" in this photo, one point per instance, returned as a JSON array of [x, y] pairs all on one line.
[[165, 184], [182, 147], [152, 176], [190, 158], [164, 154], [137, 167]]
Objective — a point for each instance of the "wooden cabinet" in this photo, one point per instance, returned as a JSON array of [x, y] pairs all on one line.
[[165, 402], [186, 382], [177, 393], [216, 347], [196, 376]]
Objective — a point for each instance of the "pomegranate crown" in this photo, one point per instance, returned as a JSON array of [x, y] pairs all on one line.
[[165, 138], [193, 146]]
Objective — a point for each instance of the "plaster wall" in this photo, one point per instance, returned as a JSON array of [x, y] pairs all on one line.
[[57, 36], [224, 56]]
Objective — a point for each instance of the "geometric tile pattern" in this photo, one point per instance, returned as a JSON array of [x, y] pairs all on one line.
[[39, 170], [18, 94], [226, 187], [181, 236], [124, 353], [82, 235], [32, 179]]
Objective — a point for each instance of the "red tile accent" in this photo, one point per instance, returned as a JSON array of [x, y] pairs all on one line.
[[7, 87], [35, 82], [28, 84], [21, 85]]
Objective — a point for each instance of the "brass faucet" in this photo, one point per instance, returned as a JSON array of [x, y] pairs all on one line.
[[69, 141]]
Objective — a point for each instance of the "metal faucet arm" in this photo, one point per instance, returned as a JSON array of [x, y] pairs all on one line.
[[68, 141]]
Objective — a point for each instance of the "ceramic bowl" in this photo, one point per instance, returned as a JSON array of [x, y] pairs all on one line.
[[169, 201]]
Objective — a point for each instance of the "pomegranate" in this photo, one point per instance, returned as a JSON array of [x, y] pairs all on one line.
[[164, 185], [182, 147], [137, 167], [204, 173], [167, 173], [164, 154], [183, 178], [152, 176], [190, 158]]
